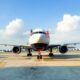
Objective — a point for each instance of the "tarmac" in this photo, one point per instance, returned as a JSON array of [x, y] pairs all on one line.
[[21, 60], [21, 67]]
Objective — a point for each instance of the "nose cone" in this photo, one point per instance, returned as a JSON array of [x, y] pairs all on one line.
[[38, 38]]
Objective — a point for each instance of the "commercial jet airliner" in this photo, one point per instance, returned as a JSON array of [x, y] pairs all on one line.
[[39, 41]]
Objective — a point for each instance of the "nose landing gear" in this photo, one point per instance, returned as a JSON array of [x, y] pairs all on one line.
[[39, 56]]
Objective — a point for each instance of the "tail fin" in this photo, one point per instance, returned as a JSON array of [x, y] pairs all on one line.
[[31, 32]]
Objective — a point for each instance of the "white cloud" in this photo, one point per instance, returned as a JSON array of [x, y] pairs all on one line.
[[12, 29], [69, 23], [13, 32], [68, 30]]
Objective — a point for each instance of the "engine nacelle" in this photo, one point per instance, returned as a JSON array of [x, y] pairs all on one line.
[[63, 49], [16, 49]]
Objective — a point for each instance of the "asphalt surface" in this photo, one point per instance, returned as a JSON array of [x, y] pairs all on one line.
[[59, 67], [40, 73]]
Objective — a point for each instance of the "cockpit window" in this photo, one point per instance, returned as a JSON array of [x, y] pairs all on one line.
[[38, 32]]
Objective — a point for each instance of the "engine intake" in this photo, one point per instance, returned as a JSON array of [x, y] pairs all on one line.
[[17, 49], [63, 49]]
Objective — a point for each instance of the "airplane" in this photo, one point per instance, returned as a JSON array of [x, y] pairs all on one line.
[[39, 41]]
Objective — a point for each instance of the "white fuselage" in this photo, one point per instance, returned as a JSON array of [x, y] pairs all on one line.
[[39, 37]]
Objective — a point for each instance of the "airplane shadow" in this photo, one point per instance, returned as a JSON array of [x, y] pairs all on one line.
[[59, 57], [63, 56]]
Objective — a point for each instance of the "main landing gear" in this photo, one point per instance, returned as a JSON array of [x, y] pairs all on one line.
[[29, 54], [51, 54]]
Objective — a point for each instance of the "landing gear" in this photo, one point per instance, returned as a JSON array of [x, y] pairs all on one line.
[[29, 54], [51, 54], [39, 57]]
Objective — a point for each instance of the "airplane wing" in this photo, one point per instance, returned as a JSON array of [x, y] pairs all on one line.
[[62, 48], [17, 48], [58, 45], [50, 46], [53, 46], [22, 46], [72, 44]]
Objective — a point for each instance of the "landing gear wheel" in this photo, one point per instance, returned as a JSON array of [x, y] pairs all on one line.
[[51, 54], [29, 54], [39, 57]]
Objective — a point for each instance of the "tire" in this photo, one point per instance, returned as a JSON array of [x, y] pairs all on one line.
[[29, 54], [39, 57], [51, 54]]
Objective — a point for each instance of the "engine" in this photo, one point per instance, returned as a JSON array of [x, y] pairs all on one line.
[[63, 49], [17, 49]]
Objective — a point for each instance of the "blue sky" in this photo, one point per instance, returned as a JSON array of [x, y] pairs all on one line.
[[37, 13], [44, 14]]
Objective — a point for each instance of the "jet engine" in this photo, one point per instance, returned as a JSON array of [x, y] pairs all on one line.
[[63, 49], [16, 49]]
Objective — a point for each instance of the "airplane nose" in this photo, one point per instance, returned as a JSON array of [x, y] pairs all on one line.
[[39, 38]]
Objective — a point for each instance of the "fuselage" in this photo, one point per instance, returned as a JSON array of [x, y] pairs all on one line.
[[39, 39]]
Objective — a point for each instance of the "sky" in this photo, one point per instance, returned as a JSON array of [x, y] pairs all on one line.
[[60, 17]]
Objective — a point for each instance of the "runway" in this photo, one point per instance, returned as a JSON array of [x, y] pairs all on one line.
[[40, 73], [21, 60], [20, 67]]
